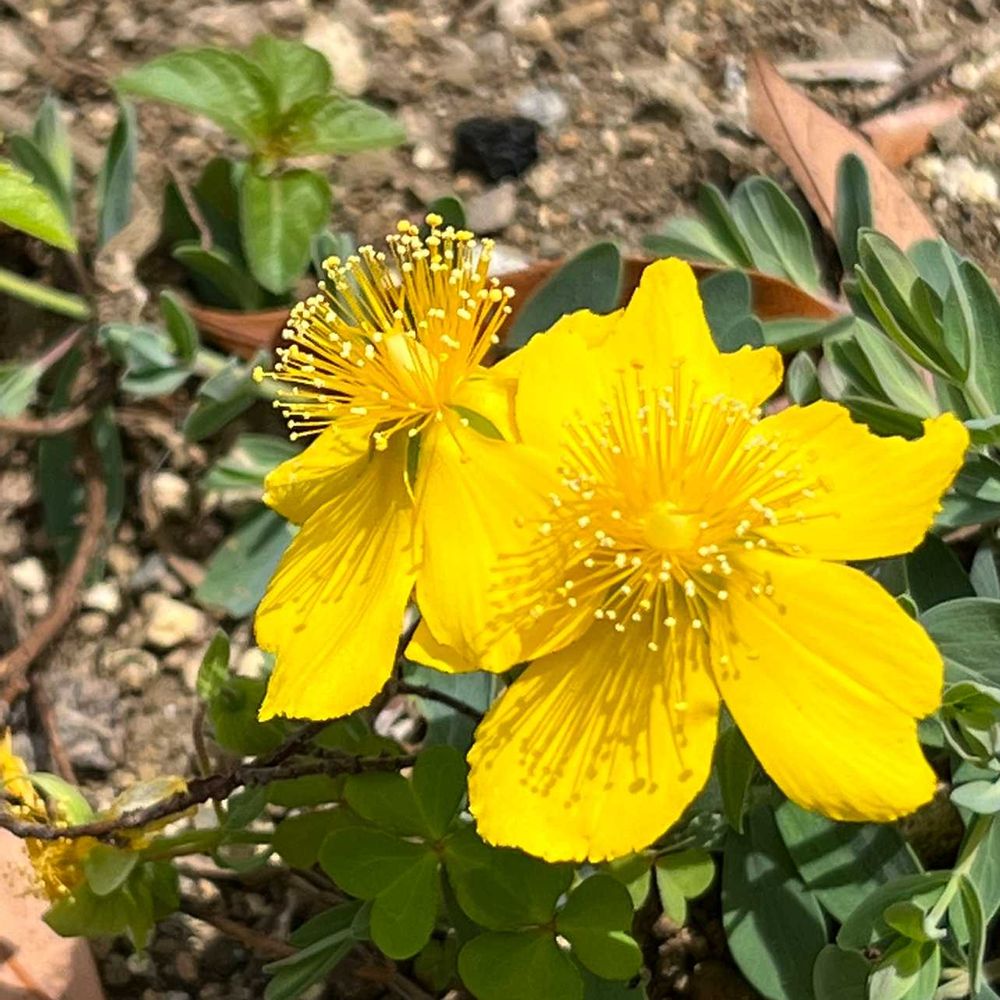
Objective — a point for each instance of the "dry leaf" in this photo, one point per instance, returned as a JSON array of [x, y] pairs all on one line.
[[899, 136], [242, 333], [812, 144]]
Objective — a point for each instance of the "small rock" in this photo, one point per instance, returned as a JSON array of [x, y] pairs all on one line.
[[71, 31], [104, 596], [251, 663], [38, 605], [169, 492], [12, 538], [17, 488], [610, 141], [493, 209], [135, 668], [170, 623], [492, 48], [543, 105], [507, 258], [92, 624], [122, 559], [231, 22], [287, 14], [495, 148], [29, 575], [343, 49], [12, 79], [459, 65], [426, 157], [401, 27], [546, 180], [186, 967], [17, 54], [966, 76], [153, 574], [513, 14], [961, 180]]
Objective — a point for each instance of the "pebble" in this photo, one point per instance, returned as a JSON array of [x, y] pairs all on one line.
[[459, 65], [169, 492], [493, 209], [12, 79], [343, 49], [170, 623], [251, 663], [69, 32], [122, 559], [12, 538], [104, 596], [17, 55], [426, 157], [153, 573], [546, 180], [513, 14], [961, 180], [29, 575], [17, 488], [92, 624], [546, 106], [135, 668], [38, 605]]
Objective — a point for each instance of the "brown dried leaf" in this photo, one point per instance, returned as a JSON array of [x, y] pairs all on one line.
[[242, 333], [812, 144], [899, 136]]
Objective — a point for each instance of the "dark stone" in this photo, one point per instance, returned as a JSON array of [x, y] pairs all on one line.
[[495, 148]]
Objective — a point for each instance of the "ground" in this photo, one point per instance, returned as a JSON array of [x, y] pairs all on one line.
[[641, 101]]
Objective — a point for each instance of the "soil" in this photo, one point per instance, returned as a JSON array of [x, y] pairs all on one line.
[[643, 101]]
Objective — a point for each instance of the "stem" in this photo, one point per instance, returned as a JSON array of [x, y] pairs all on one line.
[[64, 303], [977, 834]]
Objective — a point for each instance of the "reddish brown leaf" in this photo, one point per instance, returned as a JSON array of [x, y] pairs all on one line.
[[812, 144], [242, 333], [899, 136]]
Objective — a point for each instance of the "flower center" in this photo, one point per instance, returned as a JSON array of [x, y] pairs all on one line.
[[390, 336], [671, 530]]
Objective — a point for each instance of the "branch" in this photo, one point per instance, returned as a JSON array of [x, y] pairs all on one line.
[[15, 665], [260, 771], [261, 944], [423, 691]]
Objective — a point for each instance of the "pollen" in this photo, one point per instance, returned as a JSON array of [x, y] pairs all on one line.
[[390, 336]]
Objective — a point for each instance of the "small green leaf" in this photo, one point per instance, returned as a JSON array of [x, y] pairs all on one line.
[[590, 280], [853, 208], [114, 183], [238, 571], [866, 923], [221, 270], [30, 157], [68, 801], [909, 970], [934, 575], [339, 126], [516, 966], [221, 398], [279, 216], [797, 334], [299, 839], [722, 225], [597, 922], [975, 921], [910, 920], [247, 463], [365, 862], [18, 386], [180, 326], [340, 917], [387, 800], [978, 796], [245, 806], [403, 915], [224, 86], [690, 870], [294, 70], [775, 232], [840, 975], [451, 210], [28, 207], [802, 380], [736, 766], [233, 713], [690, 239], [727, 300], [292, 976], [439, 778], [107, 868], [984, 575], [214, 670]]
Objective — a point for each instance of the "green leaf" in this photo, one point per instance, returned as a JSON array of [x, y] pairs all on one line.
[[246, 464], [52, 138], [222, 271], [151, 368], [114, 183], [338, 126], [299, 839], [842, 862], [29, 156], [214, 670], [307, 790], [293, 70], [797, 334], [975, 921], [28, 207], [774, 925], [501, 888], [590, 280], [180, 326], [18, 386], [984, 575], [221, 85], [436, 967], [221, 398], [439, 777], [690, 239], [67, 800], [279, 216], [853, 208], [735, 766], [451, 210], [978, 796], [365, 862], [403, 915], [245, 806], [597, 922], [908, 971], [775, 232], [910, 920], [682, 876], [444, 724], [107, 868], [967, 632], [983, 309], [866, 924], [292, 976], [518, 966], [802, 380], [720, 221], [43, 297], [840, 975], [233, 712], [238, 572], [387, 799], [727, 300], [934, 575], [340, 917]]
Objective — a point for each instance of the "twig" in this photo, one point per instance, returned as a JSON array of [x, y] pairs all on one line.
[[920, 73], [261, 944], [45, 711], [423, 691], [15, 665], [58, 423], [216, 786]]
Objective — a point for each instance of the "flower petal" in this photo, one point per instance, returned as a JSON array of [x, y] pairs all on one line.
[[334, 608], [664, 327], [875, 496], [477, 498], [584, 756], [826, 679], [300, 486]]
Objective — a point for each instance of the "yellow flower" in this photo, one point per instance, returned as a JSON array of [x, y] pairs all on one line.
[[58, 864], [683, 559], [387, 370]]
